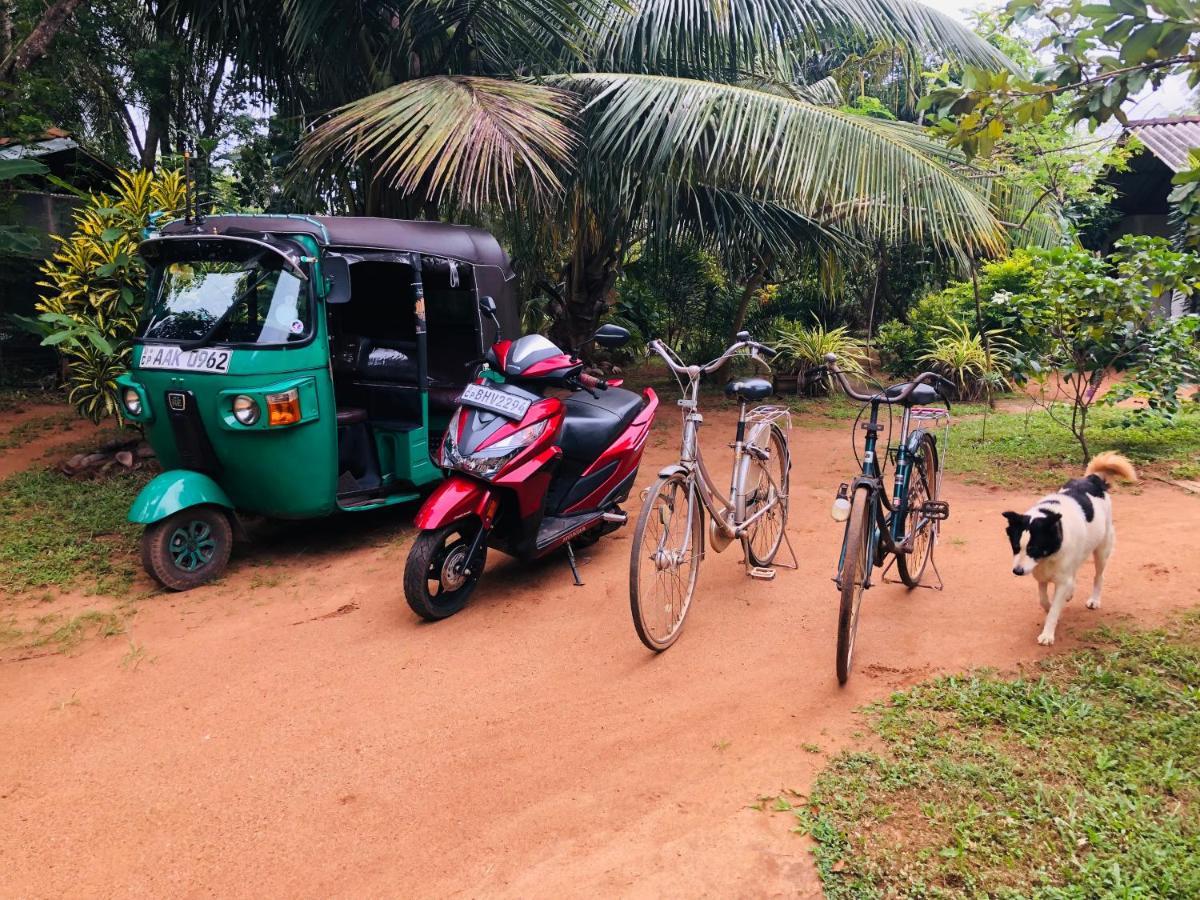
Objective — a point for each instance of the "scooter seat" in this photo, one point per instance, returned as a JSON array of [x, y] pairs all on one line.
[[592, 423]]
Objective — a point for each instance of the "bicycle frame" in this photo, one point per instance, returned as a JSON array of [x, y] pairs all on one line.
[[722, 509], [887, 527]]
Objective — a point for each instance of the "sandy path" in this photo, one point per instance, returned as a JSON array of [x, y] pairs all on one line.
[[529, 746], [14, 459]]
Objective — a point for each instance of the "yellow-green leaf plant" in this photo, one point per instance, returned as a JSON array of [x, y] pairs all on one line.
[[94, 282]]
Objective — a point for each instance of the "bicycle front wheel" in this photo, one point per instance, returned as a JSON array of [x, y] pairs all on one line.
[[763, 485], [665, 561], [856, 565], [922, 486]]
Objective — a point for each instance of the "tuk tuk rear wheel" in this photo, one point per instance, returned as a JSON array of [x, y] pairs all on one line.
[[438, 578], [189, 548]]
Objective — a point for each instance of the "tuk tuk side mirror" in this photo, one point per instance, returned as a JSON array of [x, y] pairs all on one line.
[[487, 306], [611, 336], [337, 279]]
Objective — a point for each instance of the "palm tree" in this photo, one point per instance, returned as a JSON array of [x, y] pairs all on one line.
[[606, 122]]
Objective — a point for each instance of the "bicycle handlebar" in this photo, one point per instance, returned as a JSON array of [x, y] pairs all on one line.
[[677, 366], [924, 378]]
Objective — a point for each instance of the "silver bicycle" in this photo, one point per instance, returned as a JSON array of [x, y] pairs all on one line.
[[669, 541]]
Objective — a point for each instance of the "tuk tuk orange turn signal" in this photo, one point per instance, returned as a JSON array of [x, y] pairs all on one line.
[[283, 408]]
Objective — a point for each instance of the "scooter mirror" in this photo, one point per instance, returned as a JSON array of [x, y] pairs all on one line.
[[337, 279], [487, 305], [611, 336]]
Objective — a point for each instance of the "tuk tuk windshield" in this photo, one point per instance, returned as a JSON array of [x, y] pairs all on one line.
[[242, 293]]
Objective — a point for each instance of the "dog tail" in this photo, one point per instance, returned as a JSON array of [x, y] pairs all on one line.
[[1111, 464]]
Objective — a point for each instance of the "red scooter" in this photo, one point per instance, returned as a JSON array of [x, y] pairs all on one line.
[[528, 474]]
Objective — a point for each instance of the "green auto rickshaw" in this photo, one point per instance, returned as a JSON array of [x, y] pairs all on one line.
[[296, 366]]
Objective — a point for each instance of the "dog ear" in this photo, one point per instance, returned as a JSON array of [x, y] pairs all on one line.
[[1051, 516], [1014, 518]]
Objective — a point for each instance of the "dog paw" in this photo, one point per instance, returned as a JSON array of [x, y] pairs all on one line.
[[1093, 603], [1045, 639]]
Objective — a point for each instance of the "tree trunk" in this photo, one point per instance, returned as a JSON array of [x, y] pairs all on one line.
[[590, 278], [6, 29], [35, 46], [751, 287]]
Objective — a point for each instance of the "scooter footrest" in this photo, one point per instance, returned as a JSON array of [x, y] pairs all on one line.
[[936, 509]]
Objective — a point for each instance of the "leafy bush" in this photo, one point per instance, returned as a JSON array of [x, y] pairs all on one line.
[[803, 349], [1103, 320], [678, 294], [1008, 304], [95, 282], [976, 367]]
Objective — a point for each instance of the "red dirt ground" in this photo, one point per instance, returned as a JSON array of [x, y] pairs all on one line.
[[312, 739]]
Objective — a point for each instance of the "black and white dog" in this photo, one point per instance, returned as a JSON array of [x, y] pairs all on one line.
[[1053, 539]]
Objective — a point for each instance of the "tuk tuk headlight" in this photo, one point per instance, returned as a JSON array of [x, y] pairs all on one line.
[[132, 401], [245, 410]]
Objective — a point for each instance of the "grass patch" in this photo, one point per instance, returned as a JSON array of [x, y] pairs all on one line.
[[1080, 782], [1021, 447], [93, 623], [54, 531], [32, 429]]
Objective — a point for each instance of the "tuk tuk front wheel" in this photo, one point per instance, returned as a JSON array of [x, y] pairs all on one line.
[[189, 548], [438, 577]]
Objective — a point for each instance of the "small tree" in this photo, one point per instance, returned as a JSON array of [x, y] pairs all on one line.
[[1104, 322], [94, 285]]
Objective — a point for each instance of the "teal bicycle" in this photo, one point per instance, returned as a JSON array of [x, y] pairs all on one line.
[[904, 525]]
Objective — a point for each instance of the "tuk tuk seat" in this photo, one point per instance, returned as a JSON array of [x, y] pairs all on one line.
[[350, 415]]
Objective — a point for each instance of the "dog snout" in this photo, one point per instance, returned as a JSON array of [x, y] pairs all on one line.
[[1018, 569]]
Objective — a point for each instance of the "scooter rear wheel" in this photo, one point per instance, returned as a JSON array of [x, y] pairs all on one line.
[[438, 581]]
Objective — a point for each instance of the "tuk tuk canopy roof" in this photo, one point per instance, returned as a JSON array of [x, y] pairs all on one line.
[[464, 243], [472, 246]]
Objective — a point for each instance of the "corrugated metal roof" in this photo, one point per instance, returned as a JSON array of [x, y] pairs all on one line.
[[1169, 139], [40, 148]]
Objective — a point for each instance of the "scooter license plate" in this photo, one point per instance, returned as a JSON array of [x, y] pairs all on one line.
[[509, 405]]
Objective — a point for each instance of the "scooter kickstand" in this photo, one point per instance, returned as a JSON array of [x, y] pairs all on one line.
[[574, 568]]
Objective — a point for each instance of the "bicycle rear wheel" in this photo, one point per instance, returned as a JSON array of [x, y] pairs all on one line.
[[763, 484], [665, 561], [856, 565], [922, 486]]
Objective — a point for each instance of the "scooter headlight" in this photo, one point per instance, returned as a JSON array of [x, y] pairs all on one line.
[[132, 401], [245, 410], [487, 462]]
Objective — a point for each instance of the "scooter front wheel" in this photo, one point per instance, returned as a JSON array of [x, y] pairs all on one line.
[[189, 548], [438, 577]]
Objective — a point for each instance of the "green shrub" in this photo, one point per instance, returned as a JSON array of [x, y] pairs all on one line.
[[803, 350], [1008, 305], [95, 282], [975, 365]]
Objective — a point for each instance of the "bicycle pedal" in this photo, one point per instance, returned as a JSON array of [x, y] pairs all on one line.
[[935, 509], [761, 573]]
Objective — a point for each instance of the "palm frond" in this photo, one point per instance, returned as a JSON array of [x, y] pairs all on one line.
[[469, 139], [856, 175], [679, 36]]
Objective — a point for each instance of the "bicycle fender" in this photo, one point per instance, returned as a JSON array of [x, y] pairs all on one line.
[[674, 469], [914, 441]]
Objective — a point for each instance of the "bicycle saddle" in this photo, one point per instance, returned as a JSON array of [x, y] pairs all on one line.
[[923, 395], [749, 389]]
